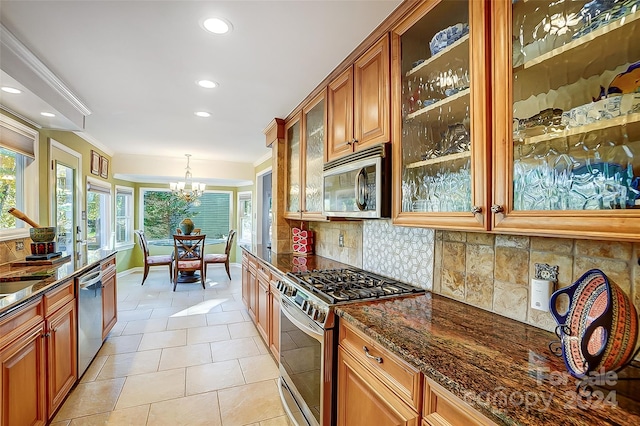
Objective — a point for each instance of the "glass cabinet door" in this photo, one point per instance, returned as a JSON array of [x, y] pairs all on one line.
[[439, 115], [313, 155], [571, 117], [293, 133]]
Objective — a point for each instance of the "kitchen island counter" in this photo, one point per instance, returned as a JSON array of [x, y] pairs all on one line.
[[500, 367], [45, 278]]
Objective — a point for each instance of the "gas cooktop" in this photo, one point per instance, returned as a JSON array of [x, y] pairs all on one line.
[[350, 284]]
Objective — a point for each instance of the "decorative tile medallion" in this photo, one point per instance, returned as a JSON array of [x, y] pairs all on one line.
[[405, 254]]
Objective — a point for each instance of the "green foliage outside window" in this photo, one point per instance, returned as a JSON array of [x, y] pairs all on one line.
[[163, 212], [8, 163]]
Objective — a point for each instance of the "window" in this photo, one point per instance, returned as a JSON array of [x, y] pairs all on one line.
[[163, 211], [244, 217], [98, 215], [18, 176], [124, 215]]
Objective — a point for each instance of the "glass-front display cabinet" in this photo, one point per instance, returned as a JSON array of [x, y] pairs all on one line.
[[439, 82], [566, 108], [305, 144], [293, 136], [313, 128]]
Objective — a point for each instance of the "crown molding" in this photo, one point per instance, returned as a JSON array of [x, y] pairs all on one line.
[[21, 117], [40, 69], [262, 159], [96, 143]]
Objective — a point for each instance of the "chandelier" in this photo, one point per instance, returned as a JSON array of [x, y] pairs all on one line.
[[188, 190]]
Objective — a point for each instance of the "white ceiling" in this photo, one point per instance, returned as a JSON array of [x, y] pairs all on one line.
[[134, 65]]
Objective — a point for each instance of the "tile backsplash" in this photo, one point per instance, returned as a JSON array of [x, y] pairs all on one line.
[[327, 241], [9, 250], [492, 271], [399, 252]]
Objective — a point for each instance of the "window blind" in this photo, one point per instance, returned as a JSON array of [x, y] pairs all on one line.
[[99, 188], [213, 214], [17, 141]]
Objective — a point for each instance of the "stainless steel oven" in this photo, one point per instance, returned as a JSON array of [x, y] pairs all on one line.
[[306, 359], [308, 335]]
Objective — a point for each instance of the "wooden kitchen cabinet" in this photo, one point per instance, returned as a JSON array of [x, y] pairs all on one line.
[[245, 279], [358, 103], [364, 400], [262, 305], [563, 164], [61, 340], [264, 297], [442, 408], [274, 317], [252, 288], [23, 378], [109, 296], [441, 147], [305, 141]]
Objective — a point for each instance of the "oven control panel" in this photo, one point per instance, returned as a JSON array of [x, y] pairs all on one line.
[[312, 307]]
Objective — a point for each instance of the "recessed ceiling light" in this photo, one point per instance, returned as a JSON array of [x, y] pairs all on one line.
[[47, 114], [11, 90], [203, 114], [217, 25], [207, 84]]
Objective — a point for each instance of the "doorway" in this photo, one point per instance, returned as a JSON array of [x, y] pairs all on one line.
[[65, 178], [264, 208]]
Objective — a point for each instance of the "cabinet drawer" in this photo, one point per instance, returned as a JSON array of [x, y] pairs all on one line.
[[19, 322], [264, 272], [442, 408], [253, 265], [108, 263], [58, 297], [393, 371]]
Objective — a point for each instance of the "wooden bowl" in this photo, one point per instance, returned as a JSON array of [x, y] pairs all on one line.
[[43, 235]]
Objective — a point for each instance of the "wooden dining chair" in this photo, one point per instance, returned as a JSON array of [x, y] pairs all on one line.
[[155, 260], [188, 256], [196, 231], [220, 258]]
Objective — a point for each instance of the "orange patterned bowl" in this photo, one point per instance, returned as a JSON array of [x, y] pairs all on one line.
[[599, 331]]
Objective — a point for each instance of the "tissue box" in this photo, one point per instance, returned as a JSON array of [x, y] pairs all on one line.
[[302, 241]]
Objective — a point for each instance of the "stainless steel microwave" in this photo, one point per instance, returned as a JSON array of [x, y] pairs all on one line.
[[358, 185]]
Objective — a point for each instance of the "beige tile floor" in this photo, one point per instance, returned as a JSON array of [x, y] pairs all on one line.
[[192, 357]]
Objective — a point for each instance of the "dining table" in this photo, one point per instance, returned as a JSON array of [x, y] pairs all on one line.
[[168, 242]]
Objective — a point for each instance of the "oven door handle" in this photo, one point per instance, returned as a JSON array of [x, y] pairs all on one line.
[[300, 320]]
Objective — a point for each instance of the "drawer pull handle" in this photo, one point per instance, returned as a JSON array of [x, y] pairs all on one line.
[[366, 352]]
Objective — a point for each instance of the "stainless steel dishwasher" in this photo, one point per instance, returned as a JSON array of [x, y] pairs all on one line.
[[89, 293]]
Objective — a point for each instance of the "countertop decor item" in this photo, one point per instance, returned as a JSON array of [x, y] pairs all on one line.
[[187, 226], [599, 330], [39, 234]]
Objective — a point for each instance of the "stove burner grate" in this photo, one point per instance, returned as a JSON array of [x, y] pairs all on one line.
[[350, 284]]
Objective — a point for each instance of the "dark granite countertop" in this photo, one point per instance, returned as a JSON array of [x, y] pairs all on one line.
[[284, 263], [501, 367], [44, 278]]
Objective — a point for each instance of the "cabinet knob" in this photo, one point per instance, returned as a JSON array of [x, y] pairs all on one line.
[[476, 209], [497, 208], [348, 142], [354, 141]]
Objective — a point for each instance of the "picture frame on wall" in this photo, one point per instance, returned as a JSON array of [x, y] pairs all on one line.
[[104, 167], [95, 163]]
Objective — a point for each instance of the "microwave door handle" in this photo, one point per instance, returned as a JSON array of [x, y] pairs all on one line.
[[361, 189]]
